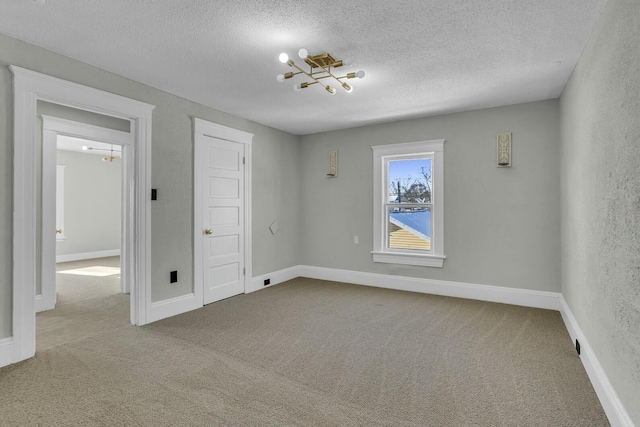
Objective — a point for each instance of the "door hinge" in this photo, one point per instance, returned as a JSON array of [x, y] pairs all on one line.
[[244, 271], [243, 160]]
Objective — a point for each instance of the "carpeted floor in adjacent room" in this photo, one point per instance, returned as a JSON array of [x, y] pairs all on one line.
[[302, 353]]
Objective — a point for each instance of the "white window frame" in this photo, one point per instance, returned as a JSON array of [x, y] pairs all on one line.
[[433, 149]]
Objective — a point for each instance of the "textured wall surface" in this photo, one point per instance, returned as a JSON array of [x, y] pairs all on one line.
[[91, 203], [275, 162], [502, 225], [600, 110]]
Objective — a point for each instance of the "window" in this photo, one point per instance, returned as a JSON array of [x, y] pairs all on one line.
[[408, 203]]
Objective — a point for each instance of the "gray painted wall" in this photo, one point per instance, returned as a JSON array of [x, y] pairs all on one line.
[[600, 110], [275, 163], [502, 225], [91, 203]]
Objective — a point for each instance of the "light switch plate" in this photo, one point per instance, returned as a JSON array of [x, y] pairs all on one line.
[[503, 149]]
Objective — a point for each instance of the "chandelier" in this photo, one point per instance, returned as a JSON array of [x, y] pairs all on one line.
[[110, 158], [321, 66]]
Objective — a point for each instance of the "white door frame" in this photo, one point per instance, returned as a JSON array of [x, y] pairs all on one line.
[[28, 88], [51, 128], [205, 128]]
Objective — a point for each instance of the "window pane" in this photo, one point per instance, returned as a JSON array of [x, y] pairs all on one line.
[[409, 228], [410, 181]]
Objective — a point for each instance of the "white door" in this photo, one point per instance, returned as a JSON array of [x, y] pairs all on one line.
[[223, 219]]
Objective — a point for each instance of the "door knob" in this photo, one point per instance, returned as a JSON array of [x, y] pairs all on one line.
[[208, 231], [58, 231]]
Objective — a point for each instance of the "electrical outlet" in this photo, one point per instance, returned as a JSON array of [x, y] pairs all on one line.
[[578, 347], [356, 240], [267, 282], [173, 277]]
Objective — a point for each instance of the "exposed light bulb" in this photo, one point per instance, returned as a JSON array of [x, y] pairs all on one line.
[[280, 77], [85, 148], [297, 88], [360, 74], [346, 87], [303, 53], [331, 90], [283, 58]]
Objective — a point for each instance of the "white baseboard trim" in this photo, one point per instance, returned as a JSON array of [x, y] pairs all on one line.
[[523, 297], [87, 255], [612, 405], [172, 307], [276, 277], [614, 409], [6, 352], [178, 305], [43, 305]]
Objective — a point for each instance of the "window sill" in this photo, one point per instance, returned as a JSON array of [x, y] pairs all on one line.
[[409, 259]]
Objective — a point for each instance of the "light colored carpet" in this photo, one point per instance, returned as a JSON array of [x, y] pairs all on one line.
[[302, 353]]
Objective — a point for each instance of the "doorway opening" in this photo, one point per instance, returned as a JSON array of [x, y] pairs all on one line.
[[29, 88], [82, 182]]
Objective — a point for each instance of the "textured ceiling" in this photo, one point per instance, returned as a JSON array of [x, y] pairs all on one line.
[[421, 57]]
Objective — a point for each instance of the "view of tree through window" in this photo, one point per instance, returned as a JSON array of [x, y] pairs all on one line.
[[409, 204]]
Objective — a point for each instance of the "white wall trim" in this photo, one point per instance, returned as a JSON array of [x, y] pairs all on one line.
[[609, 399], [201, 128], [87, 255], [29, 87], [6, 351], [48, 234], [44, 304], [172, 307], [500, 294], [279, 276], [382, 154], [523, 297], [52, 127]]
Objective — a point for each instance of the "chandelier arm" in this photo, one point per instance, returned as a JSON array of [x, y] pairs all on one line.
[[293, 64], [326, 69], [291, 74]]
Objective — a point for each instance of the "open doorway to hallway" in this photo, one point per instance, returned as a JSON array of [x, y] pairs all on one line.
[[86, 264], [89, 300], [83, 199]]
